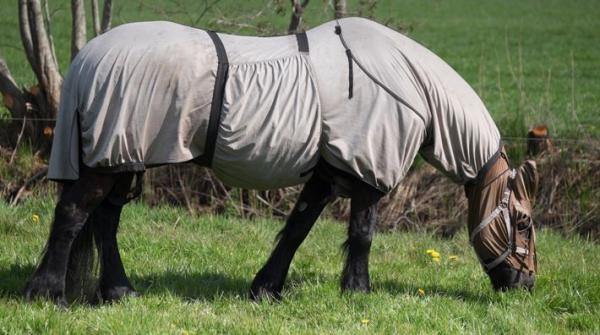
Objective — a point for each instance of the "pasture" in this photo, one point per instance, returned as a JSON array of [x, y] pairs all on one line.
[[531, 61], [194, 273]]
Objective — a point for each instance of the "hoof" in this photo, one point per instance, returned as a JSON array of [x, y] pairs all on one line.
[[265, 287], [117, 293], [264, 294], [265, 290], [356, 285], [40, 287]]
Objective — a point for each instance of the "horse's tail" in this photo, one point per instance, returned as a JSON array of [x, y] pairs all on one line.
[[83, 266]]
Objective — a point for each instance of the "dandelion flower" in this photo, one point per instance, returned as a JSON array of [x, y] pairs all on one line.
[[430, 251], [421, 292], [435, 259], [453, 258], [364, 321], [35, 218], [435, 254]]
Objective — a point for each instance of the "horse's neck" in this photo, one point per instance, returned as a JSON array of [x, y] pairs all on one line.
[[484, 196]]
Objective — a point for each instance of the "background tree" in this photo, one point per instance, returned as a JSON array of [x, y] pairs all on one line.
[[34, 109], [339, 7], [297, 11]]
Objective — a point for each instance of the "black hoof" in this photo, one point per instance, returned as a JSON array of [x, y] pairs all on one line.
[[117, 293], [265, 287], [40, 287], [265, 290], [264, 294], [356, 285]]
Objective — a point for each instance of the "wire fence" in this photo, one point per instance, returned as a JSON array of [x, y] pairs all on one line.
[[504, 138]]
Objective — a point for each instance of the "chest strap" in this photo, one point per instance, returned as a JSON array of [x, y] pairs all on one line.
[[216, 103]]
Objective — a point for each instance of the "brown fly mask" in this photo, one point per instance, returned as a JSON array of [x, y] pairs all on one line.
[[501, 226]]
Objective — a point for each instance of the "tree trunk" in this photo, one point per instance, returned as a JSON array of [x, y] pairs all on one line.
[[38, 45], [95, 18], [340, 9], [106, 16], [297, 11], [78, 30]]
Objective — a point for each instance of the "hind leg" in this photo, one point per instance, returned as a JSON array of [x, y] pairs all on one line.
[[76, 202], [269, 281], [114, 283], [363, 214]]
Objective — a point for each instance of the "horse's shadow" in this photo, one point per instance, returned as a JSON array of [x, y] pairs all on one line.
[[192, 286], [210, 286], [13, 279]]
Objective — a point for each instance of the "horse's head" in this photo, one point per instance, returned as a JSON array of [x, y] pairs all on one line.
[[501, 224]]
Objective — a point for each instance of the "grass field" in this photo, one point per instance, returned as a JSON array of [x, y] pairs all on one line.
[[194, 273], [531, 61]]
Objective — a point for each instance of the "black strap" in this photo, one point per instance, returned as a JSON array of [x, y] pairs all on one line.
[[217, 102], [351, 58], [302, 42], [338, 31]]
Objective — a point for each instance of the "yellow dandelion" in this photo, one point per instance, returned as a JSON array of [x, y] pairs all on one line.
[[435, 254], [453, 258], [430, 251], [364, 321], [421, 292], [435, 259], [35, 218]]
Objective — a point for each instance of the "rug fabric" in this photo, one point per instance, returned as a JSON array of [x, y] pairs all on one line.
[[140, 96]]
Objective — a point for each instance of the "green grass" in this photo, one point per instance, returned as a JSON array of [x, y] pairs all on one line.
[[194, 273], [531, 61]]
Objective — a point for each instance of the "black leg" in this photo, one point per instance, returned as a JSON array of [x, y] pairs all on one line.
[[114, 283], [76, 202], [270, 279], [363, 215]]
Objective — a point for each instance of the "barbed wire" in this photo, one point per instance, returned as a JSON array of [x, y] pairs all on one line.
[[504, 138], [26, 119]]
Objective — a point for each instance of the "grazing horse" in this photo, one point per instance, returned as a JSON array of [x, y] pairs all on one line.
[[343, 108]]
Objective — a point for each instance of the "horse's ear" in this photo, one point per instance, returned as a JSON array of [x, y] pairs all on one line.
[[527, 180]]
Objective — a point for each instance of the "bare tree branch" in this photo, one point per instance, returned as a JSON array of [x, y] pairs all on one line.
[[26, 38], [95, 18], [340, 9], [49, 32], [78, 31], [11, 94], [48, 75], [106, 16], [297, 11]]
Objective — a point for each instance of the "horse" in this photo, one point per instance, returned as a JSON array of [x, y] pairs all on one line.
[[343, 108]]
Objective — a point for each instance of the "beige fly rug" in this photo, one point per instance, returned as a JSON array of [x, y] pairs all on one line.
[[355, 93]]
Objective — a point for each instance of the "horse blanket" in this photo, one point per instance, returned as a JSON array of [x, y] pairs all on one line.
[[364, 98]]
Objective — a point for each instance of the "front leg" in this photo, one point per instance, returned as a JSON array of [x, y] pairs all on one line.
[[363, 215], [269, 281]]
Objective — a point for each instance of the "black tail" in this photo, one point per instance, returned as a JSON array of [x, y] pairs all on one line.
[[83, 267]]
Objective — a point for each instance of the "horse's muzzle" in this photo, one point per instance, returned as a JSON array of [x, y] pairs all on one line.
[[504, 277]]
